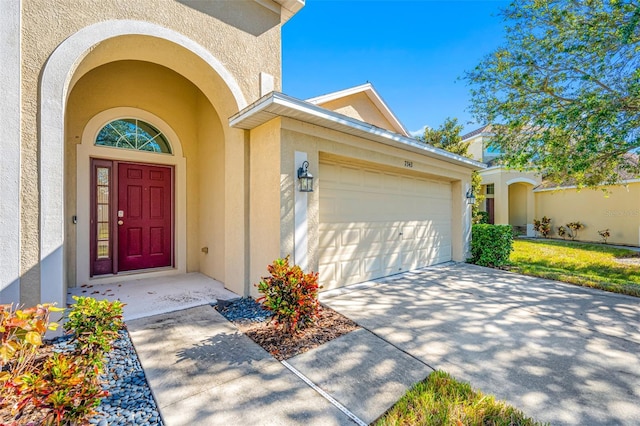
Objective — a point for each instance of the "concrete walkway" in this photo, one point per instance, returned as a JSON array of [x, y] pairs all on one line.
[[202, 370], [563, 354]]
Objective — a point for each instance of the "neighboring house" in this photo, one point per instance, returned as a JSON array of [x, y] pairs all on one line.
[[516, 198], [150, 138]]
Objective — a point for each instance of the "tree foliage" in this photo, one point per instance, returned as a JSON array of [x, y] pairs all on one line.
[[447, 137], [563, 93]]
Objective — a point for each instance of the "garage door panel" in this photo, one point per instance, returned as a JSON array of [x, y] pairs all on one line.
[[374, 224], [350, 237], [327, 273], [328, 240], [372, 235], [350, 177], [350, 270], [372, 265]]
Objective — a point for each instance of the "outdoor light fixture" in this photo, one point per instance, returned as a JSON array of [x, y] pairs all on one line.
[[471, 197], [305, 178]]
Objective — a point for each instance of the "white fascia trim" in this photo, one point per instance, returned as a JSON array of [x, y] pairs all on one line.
[[373, 95], [559, 188], [492, 168], [339, 94], [331, 117]]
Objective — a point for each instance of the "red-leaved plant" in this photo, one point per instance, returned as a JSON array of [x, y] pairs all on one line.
[[290, 294]]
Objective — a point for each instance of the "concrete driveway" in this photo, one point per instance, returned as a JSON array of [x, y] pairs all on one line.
[[561, 353]]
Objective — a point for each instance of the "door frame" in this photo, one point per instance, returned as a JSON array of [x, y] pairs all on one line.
[[114, 197], [85, 152]]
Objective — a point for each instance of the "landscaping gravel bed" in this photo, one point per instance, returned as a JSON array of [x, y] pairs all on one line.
[[244, 309], [130, 401]]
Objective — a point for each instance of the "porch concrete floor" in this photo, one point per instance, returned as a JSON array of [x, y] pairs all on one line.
[[159, 295]]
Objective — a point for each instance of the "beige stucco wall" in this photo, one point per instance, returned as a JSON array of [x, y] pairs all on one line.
[[209, 164], [245, 38], [502, 179], [360, 107], [619, 211], [518, 204], [265, 212], [476, 148], [319, 142]]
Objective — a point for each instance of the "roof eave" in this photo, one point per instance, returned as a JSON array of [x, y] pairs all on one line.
[[288, 8], [277, 104]]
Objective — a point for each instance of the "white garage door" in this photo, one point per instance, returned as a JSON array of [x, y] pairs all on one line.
[[374, 224]]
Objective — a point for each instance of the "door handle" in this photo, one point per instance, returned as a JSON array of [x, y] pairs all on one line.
[[120, 222]]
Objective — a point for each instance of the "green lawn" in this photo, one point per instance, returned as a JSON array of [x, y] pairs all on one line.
[[589, 265], [441, 400]]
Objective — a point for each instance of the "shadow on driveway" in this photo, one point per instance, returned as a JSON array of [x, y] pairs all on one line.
[[561, 353]]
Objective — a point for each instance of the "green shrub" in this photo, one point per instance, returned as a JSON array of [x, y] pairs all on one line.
[[57, 388], [562, 232], [290, 294], [543, 226], [481, 217], [604, 234], [94, 324], [491, 245], [574, 228], [21, 334], [64, 389]]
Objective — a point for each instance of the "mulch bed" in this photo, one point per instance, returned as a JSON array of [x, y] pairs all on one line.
[[281, 346]]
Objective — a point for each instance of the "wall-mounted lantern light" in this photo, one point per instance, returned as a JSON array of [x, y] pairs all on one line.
[[305, 178], [471, 197]]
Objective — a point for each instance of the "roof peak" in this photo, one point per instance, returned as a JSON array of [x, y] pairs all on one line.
[[368, 89]]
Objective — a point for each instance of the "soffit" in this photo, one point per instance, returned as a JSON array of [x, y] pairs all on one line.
[[288, 8], [277, 104]]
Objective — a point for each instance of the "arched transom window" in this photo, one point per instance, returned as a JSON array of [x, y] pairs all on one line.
[[131, 133]]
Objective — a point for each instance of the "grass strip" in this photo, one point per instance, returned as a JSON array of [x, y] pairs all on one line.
[[584, 264], [442, 400]]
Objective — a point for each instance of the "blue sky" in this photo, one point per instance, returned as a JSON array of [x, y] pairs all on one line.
[[411, 51]]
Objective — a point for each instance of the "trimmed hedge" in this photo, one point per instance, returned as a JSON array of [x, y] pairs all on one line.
[[491, 245]]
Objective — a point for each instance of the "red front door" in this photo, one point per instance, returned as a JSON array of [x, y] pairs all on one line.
[[144, 216], [490, 210]]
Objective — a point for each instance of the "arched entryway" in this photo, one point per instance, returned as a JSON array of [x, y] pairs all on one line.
[[138, 66], [131, 191], [521, 206]]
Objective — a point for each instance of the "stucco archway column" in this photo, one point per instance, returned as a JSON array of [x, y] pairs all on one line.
[[236, 200]]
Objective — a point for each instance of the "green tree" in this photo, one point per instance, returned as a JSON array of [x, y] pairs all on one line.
[[563, 93], [447, 137]]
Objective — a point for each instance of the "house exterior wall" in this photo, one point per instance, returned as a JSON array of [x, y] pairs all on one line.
[[476, 148], [245, 38], [266, 201], [319, 142], [502, 179], [618, 211], [359, 106]]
